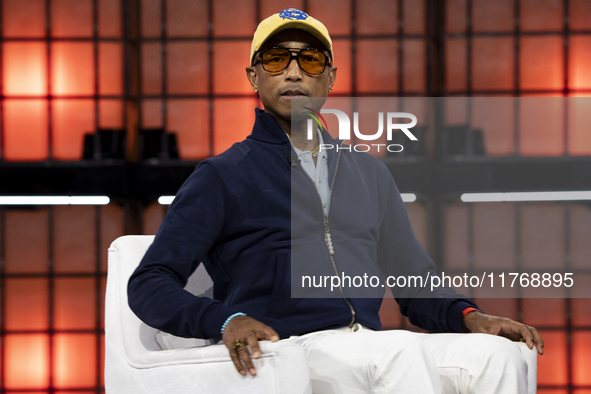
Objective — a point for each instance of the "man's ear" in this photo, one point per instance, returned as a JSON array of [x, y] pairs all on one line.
[[332, 76], [251, 74]]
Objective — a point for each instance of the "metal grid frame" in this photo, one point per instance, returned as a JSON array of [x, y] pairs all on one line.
[[210, 39], [517, 34], [568, 328], [516, 91], [98, 275], [48, 40], [435, 38]]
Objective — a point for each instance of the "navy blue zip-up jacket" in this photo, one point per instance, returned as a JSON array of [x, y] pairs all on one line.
[[250, 212]]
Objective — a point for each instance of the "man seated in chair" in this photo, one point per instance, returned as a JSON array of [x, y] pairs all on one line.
[[246, 213]]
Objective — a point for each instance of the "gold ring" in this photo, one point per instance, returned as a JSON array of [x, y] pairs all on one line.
[[521, 340], [238, 344]]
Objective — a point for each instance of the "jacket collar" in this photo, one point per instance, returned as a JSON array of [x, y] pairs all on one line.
[[267, 129]]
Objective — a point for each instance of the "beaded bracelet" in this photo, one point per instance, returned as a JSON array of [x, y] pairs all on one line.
[[230, 318]]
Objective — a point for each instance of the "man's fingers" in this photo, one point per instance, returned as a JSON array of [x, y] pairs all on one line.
[[237, 363], [538, 340], [527, 335], [243, 333], [509, 329], [268, 333], [244, 356], [532, 338], [254, 345]]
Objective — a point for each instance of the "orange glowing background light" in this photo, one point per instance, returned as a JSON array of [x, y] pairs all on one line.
[[75, 355], [72, 70], [25, 130], [580, 51], [75, 360], [25, 69], [66, 68], [25, 120], [27, 361]]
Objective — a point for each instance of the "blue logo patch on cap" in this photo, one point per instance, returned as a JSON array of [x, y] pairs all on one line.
[[293, 14]]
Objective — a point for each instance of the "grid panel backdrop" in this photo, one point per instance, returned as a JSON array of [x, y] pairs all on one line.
[[52, 285], [72, 67], [62, 76]]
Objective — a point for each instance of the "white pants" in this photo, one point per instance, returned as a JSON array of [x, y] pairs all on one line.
[[359, 360]]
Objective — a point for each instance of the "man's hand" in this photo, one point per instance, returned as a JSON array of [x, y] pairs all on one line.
[[482, 323], [249, 331]]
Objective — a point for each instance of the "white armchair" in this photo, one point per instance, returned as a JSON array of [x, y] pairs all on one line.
[[140, 359], [531, 358]]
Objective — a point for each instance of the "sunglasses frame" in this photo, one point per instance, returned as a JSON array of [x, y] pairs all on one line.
[[296, 55]]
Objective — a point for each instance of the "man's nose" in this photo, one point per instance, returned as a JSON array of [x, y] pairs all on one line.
[[293, 72]]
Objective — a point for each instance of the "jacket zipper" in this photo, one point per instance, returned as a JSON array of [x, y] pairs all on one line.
[[327, 236]]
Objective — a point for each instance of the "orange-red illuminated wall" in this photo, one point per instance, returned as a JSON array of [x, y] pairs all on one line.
[[60, 78], [53, 282], [189, 75], [67, 69]]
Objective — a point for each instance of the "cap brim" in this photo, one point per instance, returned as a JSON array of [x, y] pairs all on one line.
[[300, 26]]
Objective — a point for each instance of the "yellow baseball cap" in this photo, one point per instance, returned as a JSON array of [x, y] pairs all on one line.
[[290, 18]]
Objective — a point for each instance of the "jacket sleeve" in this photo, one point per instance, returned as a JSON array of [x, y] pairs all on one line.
[[400, 253], [192, 225]]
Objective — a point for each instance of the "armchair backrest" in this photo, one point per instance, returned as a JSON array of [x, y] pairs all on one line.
[[125, 333]]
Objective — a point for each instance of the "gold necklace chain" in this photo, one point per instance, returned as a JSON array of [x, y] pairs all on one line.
[[314, 152]]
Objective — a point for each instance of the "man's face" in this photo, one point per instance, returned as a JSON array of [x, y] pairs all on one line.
[[277, 90]]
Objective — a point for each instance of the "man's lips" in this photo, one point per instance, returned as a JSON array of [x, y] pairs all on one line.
[[292, 94]]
